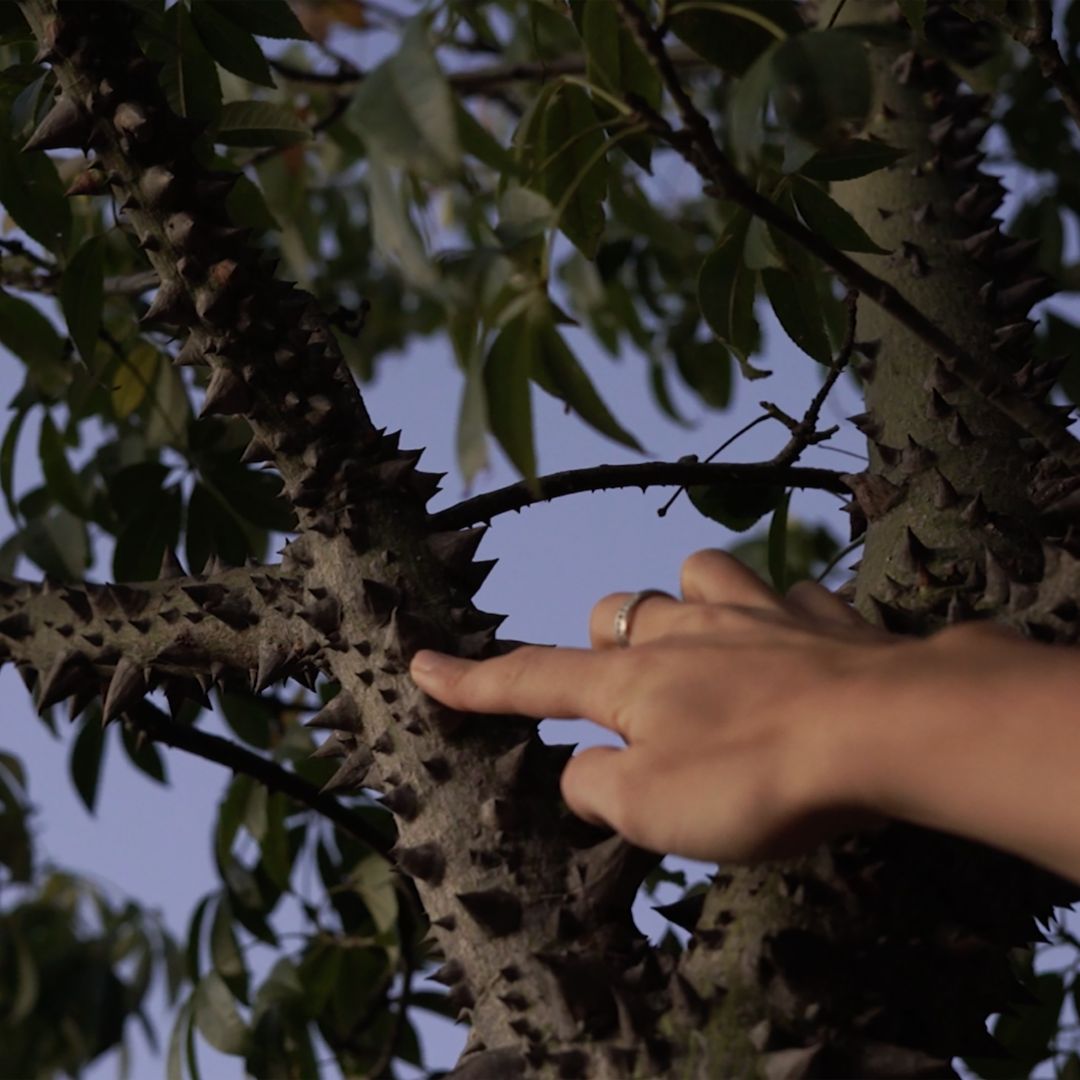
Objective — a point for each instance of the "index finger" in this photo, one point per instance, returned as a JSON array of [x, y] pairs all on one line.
[[534, 681]]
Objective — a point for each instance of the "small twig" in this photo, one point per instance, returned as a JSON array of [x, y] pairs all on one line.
[[662, 511], [649, 474], [838, 556], [804, 432], [1038, 39], [695, 142], [836, 13], [273, 776]]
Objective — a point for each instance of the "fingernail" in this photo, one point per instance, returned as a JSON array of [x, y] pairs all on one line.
[[430, 664]]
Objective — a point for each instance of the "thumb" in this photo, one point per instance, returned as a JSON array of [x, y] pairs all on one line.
[[595, 786]]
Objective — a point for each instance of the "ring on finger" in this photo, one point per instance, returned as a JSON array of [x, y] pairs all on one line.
[[625, 614]]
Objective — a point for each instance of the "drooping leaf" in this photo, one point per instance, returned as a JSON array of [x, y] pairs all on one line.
[[87, 753], [851, 159], [404, 110], [828, 219], [7, 461], [725, 289], [230, 44], [778, 545], [144, 755], [915, 13], [732, 35], [736, 506], [509, 402], [217, 1018], [32, 339], [60, 480], [264, 18], [568, 166], [225, 955], [132, 378], [31, 192], [143, 539], [472, 422], [82, 292], [189, 76], [396, 237], [259, 123]]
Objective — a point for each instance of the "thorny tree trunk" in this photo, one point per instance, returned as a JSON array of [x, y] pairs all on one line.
[[876, 956]]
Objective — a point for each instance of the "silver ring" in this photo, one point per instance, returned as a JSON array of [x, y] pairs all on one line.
[[622, 616]]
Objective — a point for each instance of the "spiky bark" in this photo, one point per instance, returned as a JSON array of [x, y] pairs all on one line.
[[875, 956]]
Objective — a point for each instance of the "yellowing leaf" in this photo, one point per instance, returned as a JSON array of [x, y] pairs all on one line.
[[133, 377]]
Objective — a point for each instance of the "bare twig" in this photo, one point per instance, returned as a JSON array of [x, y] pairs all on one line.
[[804, 432], [269, 773], [649, 474], [697, 145]]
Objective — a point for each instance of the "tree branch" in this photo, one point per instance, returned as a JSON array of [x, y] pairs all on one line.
[[240, 760], [486, 79], [649, 474], [1038, 39], [697, 145]]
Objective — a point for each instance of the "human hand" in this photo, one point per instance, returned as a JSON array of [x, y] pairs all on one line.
[[734, 705]]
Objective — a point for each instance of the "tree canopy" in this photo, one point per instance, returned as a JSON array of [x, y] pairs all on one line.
[[218, 226]]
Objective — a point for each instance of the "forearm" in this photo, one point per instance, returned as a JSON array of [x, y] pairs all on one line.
[[978, 734]]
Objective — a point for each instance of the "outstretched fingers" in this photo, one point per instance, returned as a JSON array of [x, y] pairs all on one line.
[[531, 681]]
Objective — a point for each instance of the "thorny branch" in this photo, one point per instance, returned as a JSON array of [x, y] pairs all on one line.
[[649, 474], [695, 142], [1038, 39]]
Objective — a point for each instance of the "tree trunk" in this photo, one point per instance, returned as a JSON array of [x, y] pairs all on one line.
[[875, 956]]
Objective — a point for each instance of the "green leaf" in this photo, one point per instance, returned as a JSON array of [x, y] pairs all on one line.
[[1028, 1033], [82, 295], [733, 34], [7, 461], [58, 544], [830, 220], [225, 954], [246, 206], [614, 59], [509, 404], [569, 167], [373, 880], [174, 1068], [132, 378], [229, 44], [725, 289], [736, 505], [60, 480], [259, 123], [404, 110], [797, 309], [746, 107], [472, 422], [852, 159], [145, 756], [189, 76], [217, 1018], [915, 13], [706, 368], [87, 753], [142, 540], [31, 193], [264, 18], [822, 85], [396, 237], [557, 370], [254, 496], [32, 339], [778, 545], [481, 144]]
